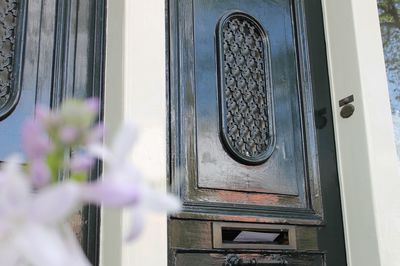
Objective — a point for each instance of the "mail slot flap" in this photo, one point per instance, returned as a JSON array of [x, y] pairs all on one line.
[[253, 236]]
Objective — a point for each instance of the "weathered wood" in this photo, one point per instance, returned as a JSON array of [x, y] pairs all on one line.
[[217, 259], [198, 235]]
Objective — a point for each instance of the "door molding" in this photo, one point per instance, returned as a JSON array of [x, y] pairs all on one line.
[[135, 90], [367, 163]]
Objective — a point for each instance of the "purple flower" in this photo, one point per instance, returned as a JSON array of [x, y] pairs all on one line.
[[81, 162], [95, 134], [34, 140], [68, 134], [39, 173], [93, 105]]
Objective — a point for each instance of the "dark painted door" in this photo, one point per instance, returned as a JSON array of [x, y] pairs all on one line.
[[49, 51], [251, 137]]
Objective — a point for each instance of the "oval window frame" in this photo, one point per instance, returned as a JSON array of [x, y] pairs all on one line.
[[268, 85]]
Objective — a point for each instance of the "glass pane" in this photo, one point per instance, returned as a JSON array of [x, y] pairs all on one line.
[[389, 15]]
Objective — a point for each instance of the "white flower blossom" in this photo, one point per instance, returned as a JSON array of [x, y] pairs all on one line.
[[33, 231], [121, 184]]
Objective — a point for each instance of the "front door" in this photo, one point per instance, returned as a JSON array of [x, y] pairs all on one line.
[[252, 152]]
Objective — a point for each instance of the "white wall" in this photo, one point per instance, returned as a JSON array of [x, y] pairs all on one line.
[[135, 88]]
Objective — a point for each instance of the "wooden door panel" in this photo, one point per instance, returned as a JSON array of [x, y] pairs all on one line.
[[283, 172], [251, 133], [249, 142], [50, 51]]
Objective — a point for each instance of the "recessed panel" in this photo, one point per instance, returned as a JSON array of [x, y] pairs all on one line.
[[248, 108]]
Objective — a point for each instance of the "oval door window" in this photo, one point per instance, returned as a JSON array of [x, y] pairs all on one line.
[[245, 89]]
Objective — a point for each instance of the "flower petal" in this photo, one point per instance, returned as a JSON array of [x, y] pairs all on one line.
[[45, 117], [96, 134], [93, 105], [112, 192], [49, 246], [53, 204], [81, 162], [68, 134], [15, 191], [158, 201], [100, 152], [76, 255], [39, 173], [137, 223], [8, 254], [123, 142], [34, 140]]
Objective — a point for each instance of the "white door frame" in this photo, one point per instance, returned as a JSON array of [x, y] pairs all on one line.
[[136, 90], [369, 176], [368, 173]]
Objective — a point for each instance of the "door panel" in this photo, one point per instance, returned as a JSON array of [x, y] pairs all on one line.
[[260, 103], [283, 172], [252, 152], [49, 51]]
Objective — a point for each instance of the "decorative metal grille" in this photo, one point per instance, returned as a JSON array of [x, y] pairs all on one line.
[[245, 89], [8, 32]]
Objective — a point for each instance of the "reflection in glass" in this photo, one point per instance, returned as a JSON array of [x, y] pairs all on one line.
[[389, 15]]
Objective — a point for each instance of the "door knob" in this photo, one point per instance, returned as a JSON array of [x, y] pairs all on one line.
[[235, 260]]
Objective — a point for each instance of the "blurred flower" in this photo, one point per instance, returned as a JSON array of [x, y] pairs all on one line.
[[36, 145], [81, 162], [39, 173], [32, 224], [53, 134], [34, 140], [35, 204], [73, 123], [121, 184]]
